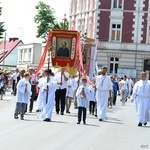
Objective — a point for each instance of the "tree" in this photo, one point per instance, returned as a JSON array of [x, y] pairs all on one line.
[[2, 30], [46, 20]]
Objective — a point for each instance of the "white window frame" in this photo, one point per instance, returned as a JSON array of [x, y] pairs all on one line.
[[111, 28], [114, 62], [112, 4], [148, 34], [73, 6]]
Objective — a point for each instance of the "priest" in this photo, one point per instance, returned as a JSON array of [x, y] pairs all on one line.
[[104, 87]]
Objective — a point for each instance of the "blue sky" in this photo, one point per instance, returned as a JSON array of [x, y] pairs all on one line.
[[18, 17]]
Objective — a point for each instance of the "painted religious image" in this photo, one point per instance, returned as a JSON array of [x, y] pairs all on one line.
[[63, 46]]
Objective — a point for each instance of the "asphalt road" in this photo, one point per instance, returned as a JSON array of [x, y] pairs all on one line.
[[118, 132]]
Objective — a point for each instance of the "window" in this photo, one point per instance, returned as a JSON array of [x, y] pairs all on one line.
[[148, 40], [73, 6], [79, 25], [114, 62], [83, 25], [25, 57], [117, 4], [81, 6], [90, 27], [116, 32], [91, 4], [29, 54], [20, 54]]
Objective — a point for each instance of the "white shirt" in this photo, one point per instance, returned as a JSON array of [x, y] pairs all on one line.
[[103, 83], [70, 90], [15, 75], [33, 79], [58, 78], [142, 89], [92, 93], [124, 85]]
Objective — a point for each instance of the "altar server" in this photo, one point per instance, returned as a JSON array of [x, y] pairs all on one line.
[[141, 96], [82, 95], [50, 89], [23, 96], [71, 87]]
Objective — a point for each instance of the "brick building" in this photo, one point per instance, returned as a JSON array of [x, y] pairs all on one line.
[[121, 29]]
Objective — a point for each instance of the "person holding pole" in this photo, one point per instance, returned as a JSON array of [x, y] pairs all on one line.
[[49, 88], [62, 78]]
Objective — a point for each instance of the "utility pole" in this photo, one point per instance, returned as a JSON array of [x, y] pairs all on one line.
[[4, 50]]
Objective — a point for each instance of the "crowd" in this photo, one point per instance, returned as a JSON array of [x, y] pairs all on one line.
[[61, 89]]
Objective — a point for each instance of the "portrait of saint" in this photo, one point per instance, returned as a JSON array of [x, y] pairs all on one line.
[[63, 50]]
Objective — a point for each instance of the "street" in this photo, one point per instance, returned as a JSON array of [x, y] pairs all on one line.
[[118, 132]]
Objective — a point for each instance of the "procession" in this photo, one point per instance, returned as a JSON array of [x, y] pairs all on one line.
[[74, 75], [48, 93]]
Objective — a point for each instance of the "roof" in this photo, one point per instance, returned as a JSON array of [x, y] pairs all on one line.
[[10, 46]]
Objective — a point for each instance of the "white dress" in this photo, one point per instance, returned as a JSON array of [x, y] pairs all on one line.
[[141, 95], [41, 99], [22, 96], [103, 85], [48, 109]]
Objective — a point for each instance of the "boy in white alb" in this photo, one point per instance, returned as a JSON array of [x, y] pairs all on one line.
[[92, 90], [22, 96], [82, 95], [71, 87]]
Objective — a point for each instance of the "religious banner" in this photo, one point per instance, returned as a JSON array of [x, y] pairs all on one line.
[[86, 57], [64, 45]]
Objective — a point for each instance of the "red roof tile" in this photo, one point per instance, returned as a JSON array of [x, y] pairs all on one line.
[[10, 45]]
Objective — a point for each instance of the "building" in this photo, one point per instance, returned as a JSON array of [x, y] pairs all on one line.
[[83, 16], [29, 55], [122, 34], [9, 53]]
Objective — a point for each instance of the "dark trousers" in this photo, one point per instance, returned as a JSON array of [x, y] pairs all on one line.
[[80, 110], [20, 108], [92, 107], [114, 100], [33, 89], [60, 97]]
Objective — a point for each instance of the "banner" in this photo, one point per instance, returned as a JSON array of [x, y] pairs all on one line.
[[64, 44]]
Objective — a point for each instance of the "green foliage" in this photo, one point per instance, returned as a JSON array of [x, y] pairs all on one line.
[[2, 30], [46, 20]]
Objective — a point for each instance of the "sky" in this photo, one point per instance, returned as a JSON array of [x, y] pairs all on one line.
[[18, 16]]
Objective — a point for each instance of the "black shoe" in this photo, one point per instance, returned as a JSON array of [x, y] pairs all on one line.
[[30, 111], [16, 117], [140, 124], [95, 115], [38, 110], [57, 112], [62, 113], [22, 118], [100, 119], [145, 123], [78, 122], [47, 120], [68, 112], [84, 122]]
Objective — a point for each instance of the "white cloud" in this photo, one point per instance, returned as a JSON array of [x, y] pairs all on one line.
[[18, 17]]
